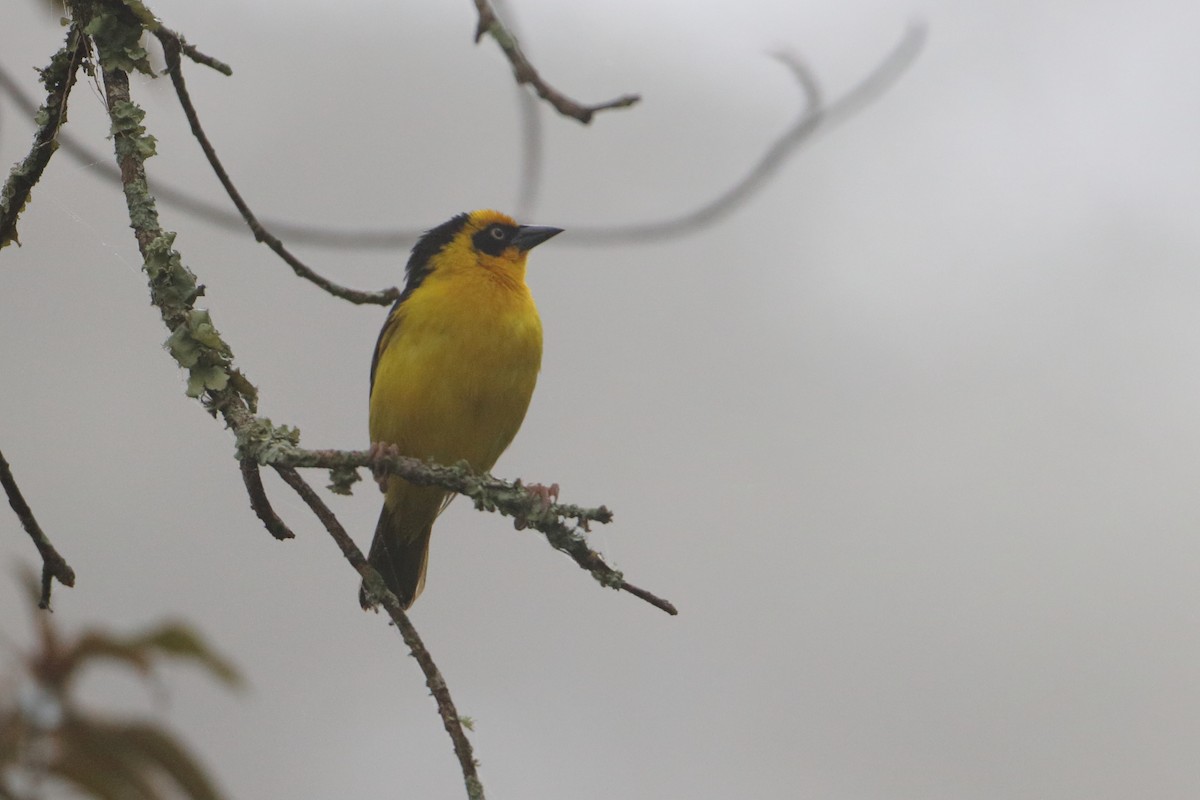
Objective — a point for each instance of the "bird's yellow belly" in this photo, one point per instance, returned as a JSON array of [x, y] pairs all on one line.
[[456, 392]]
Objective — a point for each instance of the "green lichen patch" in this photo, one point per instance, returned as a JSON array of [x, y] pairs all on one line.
[[118, 37], [198, 348]]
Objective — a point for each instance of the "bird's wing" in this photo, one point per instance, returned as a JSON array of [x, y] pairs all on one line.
[[386, 334]]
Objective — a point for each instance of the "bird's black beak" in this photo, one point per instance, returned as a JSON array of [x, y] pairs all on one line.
[[530, 236]]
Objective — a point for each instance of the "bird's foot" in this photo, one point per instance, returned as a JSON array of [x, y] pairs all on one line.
[[380, 450], [546, 496]]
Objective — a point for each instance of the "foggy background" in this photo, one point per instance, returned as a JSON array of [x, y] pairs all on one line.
[[911, 439]]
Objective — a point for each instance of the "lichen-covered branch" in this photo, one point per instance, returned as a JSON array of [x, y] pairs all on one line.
[[58, 78], [53, 564], [260, 441], [524, 72], [528, 508]]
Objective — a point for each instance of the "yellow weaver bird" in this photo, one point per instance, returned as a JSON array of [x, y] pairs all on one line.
[[452, 375]]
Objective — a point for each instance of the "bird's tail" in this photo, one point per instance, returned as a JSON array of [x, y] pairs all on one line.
[[400, 555]]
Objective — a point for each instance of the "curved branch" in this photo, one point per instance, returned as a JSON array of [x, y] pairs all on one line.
[[814, 115], [171, 48]]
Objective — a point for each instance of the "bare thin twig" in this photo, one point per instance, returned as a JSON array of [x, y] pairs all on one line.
[[171, 47], [433, 677], [58, 79], [53, 564], [524, 71]]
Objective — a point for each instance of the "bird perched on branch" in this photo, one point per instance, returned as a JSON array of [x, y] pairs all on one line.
[[452, 375]]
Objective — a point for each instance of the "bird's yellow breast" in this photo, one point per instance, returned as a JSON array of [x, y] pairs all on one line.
[[456, 371]]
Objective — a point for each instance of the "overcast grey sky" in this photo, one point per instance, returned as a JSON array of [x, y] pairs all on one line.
[[911, 440]]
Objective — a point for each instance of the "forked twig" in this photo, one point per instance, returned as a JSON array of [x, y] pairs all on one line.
[[490, 25]]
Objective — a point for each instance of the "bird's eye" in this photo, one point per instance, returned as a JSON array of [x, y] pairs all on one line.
[[493, 239]]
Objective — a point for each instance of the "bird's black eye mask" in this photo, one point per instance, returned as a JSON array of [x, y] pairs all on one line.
[[494, 238]]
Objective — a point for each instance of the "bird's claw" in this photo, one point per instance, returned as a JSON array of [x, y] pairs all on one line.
[[546, 495], [380, 450]]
